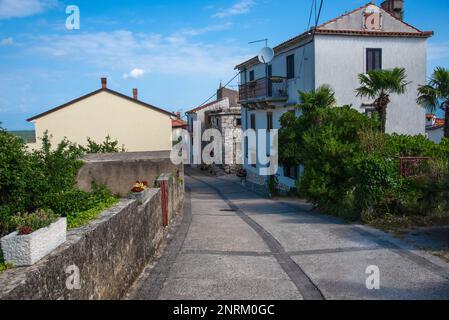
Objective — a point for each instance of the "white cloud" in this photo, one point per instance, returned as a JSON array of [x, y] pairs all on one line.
[[134, 73], [438, 51], [199, 31], [24, 8], [122, 51], [6, 42], [241, 7]]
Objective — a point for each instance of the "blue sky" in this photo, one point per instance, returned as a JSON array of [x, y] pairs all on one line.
[[176, 52]]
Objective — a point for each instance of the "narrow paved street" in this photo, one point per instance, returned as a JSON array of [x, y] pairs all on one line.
[[234, 244]]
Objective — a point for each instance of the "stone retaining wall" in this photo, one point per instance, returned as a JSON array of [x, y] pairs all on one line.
[[110, 254], [119, 171]]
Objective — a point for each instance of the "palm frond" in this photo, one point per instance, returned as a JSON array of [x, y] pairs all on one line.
[[428, 98]]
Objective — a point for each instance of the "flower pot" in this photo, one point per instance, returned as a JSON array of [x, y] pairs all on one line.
[[141, 197], [28, 249]]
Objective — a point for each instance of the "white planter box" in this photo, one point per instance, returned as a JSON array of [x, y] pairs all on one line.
[[141, 197], [28, 249]]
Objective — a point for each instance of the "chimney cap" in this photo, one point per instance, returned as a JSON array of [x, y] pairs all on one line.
[[104, 82]]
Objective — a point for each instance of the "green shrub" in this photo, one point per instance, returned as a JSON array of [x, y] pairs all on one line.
[[3, 266], [107, 146], [45, 179], [351, 170], [16, 173], [79, 219], [27, 223]]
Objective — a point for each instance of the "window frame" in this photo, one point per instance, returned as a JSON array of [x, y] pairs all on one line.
[[291, 172], [269, 121], [252, 76], [290, 64], [372, 66], [253, 121]]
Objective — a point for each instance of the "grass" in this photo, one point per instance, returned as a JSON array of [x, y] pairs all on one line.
[[3, 266], [81, 219]]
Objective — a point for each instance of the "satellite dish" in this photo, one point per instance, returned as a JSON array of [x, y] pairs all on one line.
[[266, 55]]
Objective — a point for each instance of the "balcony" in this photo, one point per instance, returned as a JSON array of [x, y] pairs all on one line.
[[264, 91]]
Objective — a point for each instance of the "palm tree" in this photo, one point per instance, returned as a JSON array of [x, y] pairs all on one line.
[[322, 97], [435, 95], [379, 85]]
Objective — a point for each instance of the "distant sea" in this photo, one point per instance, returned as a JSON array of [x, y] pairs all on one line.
[[28, 136]]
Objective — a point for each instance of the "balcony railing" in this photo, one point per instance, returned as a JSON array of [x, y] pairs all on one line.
[[264, 88]]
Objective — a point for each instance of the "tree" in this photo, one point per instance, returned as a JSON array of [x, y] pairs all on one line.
[[292, 127], [322, 97], [379, 85], [435, 95]]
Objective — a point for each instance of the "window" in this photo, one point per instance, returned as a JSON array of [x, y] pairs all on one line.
[[253, 126], [270, 84], [291, 172], [269, 121], [238, 122], [251, 75], [370, 112], [291, 66], [373, 59]]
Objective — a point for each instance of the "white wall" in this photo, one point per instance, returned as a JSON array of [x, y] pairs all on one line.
[[340, 59], [435, 135], [304, 72], [135, 126]]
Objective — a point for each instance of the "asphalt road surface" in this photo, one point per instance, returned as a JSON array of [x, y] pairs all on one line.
[[235, 244]]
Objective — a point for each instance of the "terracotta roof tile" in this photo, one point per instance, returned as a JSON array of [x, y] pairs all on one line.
[[204, 106], [178, 123], [320, 30]]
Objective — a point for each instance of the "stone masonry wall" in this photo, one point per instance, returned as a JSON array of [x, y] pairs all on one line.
[[119, 171], [110, 253]]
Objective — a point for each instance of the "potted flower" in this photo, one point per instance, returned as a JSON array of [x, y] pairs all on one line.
[[140, 191], [242, 173], [37, 234]]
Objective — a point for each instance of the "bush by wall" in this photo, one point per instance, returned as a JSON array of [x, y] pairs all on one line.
[[351, 170], [45, 179]]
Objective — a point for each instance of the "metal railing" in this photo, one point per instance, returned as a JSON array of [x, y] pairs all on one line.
[[274, 87], [412, 166]]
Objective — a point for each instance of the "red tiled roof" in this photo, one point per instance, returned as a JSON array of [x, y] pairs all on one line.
[[204, 106], [321, 30], [178, 123], [439, 123], [424, 34]]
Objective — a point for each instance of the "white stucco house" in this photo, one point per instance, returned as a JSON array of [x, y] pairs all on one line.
[[434, 128], [335, 53]]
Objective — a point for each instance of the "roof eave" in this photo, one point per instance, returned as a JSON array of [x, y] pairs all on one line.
[[94, 93]]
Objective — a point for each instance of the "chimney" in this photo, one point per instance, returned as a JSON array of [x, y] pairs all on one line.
[[104, 83], [135, 94], [220, 92], [178, 115], [395, 7]]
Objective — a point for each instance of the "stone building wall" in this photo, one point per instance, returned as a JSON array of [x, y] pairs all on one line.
[[229, 124]]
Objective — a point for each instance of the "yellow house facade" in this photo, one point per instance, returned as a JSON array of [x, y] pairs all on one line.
[[135, 124]]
